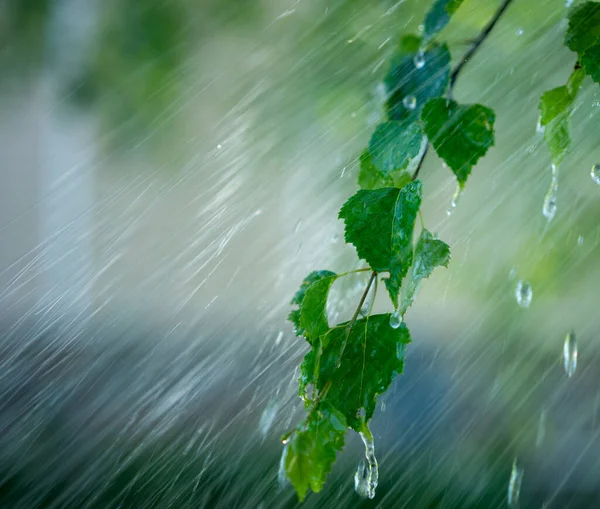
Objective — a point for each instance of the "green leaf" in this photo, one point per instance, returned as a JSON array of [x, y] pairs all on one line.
[[311, 303], [555, 111], [406, 80], [429, 254], [379, 223], [369, 177], [460, 134], [358, 364], [590, 60], [439, 16], [584, 27], [311, 452], [394, 144]]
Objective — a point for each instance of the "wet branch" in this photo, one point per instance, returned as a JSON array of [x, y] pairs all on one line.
[[475, 45]]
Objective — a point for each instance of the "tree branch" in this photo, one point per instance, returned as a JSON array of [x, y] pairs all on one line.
[[477, 42]]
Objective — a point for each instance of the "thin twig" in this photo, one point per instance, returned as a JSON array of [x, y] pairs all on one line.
[[478, 42], [416, 173], [362, 300]]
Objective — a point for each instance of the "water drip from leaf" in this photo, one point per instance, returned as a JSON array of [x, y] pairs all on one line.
[[395, 319], [524, 294], [550, 206], [570, 354], [367, 473]]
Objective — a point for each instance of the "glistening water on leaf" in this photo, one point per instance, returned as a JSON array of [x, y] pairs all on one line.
[[350, 364]]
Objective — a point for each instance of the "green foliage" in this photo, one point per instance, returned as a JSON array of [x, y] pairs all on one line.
[[429, 254], [555, 111], [583, 37], [351, 363], [313, 304], [460, 134], [584, 27], [380, 223], [556, 105], [394, 145], [439, 16], [312, 450], [406, 80], [369, 177]]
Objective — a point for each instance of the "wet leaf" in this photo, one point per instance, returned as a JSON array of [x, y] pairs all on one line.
[[429, 254], [394, 144], [380, 223], [369, 177], [555, 107], [312, 449], [310, 319], [460, 134], [357, 364], [584, 27], [439, 16], [406, 80]]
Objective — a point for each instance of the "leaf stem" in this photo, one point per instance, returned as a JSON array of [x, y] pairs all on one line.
[[362, 300], [477, 42]]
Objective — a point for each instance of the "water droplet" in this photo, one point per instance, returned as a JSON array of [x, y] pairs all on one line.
[[524, 294], [520, 31], [512, 274], [366, 477], [595, 173], [383, 405], [550, 207], [219, 146], [279, 338], [410, 102], [580, 240], [298, 226], [395, 319], [281, 473], [541, 431], [540, 128], [420, 28], [419, 60], [514, 485], [455, 199], [360, 480], [570, 354]]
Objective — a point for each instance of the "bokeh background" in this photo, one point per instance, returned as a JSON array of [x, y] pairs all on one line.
[[171, 170]]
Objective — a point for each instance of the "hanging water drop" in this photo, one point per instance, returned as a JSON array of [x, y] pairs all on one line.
[[419, 59], [455, 199], [580, 240], [549, 208], [570, 354], [360, 480], [281, 473], [595, 173], [410, 102], [514, 485], [395, 319], [366, 477], [524, 294]]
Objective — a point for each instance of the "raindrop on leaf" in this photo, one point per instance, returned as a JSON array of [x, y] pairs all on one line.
[[395, 319], [419, 60], [410, 102]]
